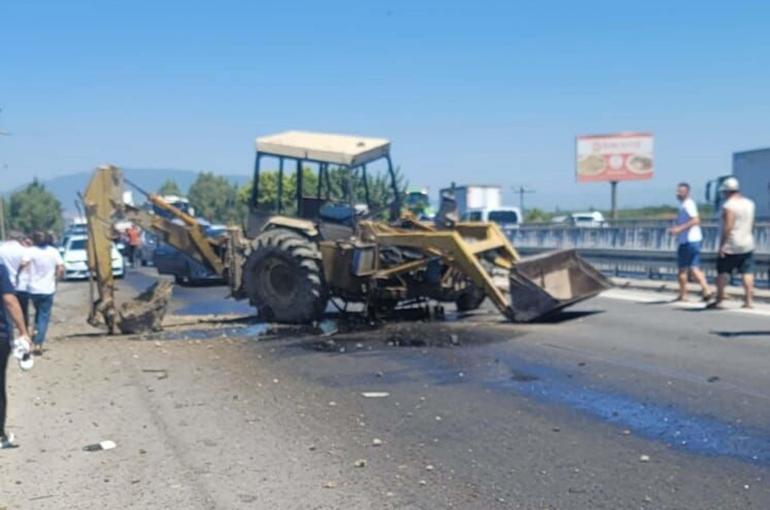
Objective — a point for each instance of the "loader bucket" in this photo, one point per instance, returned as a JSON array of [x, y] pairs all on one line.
[[145, 313], [543, 284]]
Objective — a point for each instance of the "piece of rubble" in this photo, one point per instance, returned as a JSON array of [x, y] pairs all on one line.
[[375, 394], [376, 442], [644, 458], [101, 445], [360, 463], [328, 327], [331, 484]]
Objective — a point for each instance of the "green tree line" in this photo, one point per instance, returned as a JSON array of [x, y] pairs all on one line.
[[220, 201]]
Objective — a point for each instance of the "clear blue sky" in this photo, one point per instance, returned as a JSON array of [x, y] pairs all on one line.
[[467, 91]]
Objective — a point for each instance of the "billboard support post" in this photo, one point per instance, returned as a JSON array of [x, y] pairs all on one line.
[[614, 200]]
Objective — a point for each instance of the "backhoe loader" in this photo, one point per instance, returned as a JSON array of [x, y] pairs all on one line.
[[332, 242]]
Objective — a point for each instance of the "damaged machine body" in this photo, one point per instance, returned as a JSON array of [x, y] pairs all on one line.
[[340, 235], [343, 248]]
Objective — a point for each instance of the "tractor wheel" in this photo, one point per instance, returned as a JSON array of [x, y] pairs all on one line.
[[283, 277], [470, 300]]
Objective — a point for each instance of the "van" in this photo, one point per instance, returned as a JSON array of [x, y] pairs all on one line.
[[506, 217]]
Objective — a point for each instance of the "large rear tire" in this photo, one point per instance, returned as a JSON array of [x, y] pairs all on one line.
[[283, 277]]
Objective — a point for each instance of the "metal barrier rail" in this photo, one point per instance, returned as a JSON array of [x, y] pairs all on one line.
[[635, 251], [632, 238], [655, 265]]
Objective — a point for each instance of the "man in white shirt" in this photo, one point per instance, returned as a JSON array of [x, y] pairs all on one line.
[[45, 267], [736, 242], [690, 238], [15, 255]]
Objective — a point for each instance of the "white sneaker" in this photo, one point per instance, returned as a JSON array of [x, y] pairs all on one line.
[[7, 441], [22, 351]]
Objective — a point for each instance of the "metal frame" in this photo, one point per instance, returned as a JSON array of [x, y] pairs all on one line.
[[324, 184]]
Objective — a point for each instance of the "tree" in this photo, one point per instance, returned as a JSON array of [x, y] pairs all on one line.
[[343, 185], [169, 187], [216, 199], [535, 215], [34, 208], [268, 190]]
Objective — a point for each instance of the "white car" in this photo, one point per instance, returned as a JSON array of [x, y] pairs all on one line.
[[75, 256], [593, 219]]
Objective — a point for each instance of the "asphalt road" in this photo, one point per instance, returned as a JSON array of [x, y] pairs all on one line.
[[625, 401]]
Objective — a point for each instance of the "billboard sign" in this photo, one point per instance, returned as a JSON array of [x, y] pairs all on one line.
[[616, 157]]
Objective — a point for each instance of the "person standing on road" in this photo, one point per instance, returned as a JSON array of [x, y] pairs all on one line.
[[132, 233], [736, 242], [10, 312], [45, 267], [15, 255], [690, 239]]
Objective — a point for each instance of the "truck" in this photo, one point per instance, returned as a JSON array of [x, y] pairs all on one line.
[[752, 169], [474, 196]]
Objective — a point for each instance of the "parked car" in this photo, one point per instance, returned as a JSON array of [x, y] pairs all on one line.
[[75, 256], [185, 269]]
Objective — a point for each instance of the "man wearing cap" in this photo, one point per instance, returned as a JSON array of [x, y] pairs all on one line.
[[736, 241]]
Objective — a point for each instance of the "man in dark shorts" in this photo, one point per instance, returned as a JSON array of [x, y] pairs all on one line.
[[736, 242], [10, 313]]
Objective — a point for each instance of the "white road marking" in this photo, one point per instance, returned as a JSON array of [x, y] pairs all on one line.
[[647, 297]]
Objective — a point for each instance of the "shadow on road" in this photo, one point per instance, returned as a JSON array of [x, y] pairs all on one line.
[[565, 316], [734, 334]]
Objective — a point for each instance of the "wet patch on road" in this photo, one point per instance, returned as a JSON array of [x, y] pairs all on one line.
[[678, 429]]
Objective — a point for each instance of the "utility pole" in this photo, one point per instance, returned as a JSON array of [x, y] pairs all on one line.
[[2, 199], [614, 200], [521, 191]]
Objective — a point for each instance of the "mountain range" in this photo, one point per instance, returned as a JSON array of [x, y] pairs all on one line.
[[66, 187]]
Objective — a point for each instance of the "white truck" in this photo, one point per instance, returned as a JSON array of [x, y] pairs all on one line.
[[752, 169], [474, 196]]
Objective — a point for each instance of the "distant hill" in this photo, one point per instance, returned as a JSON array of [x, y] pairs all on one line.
[[66, 187]]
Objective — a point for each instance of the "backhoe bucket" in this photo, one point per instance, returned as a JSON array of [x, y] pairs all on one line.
[[543, 284]]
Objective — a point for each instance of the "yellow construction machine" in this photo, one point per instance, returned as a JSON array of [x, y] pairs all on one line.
[[331, 242]]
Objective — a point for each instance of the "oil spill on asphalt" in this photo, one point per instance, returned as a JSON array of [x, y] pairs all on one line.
[[679, 429], [250, 331], [440, 359], [219, 307]]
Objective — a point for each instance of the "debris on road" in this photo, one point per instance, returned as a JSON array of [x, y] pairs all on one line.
[[331, 484], [375, 394], [328, 327], [360, 463], [644, 458], [429, 467], [102, 445], [162, 372], [376, 442]]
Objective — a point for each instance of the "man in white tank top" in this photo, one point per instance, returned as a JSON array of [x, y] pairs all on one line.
[[736, 241]]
